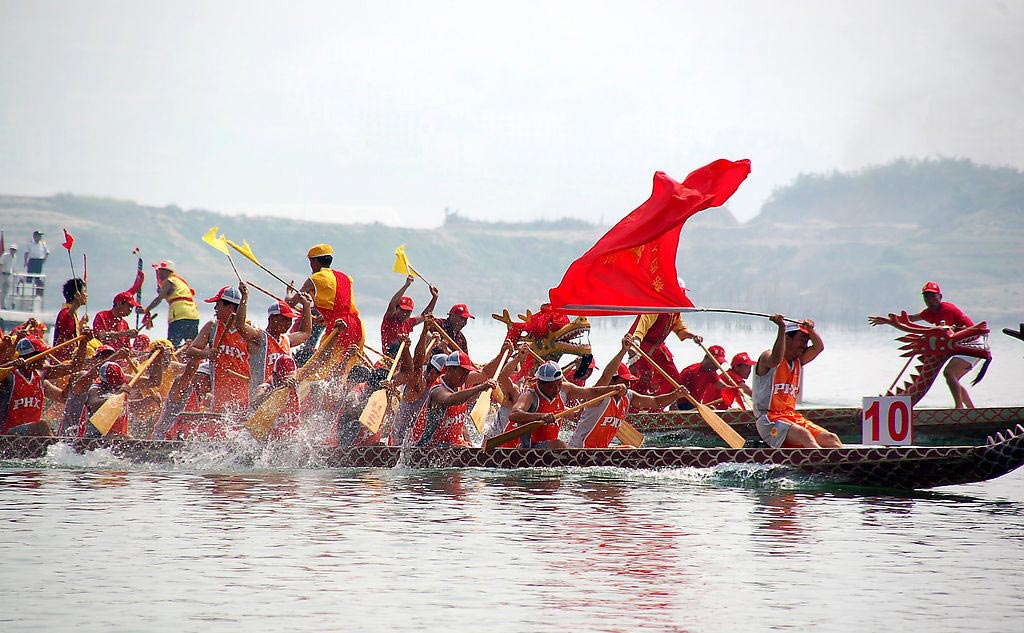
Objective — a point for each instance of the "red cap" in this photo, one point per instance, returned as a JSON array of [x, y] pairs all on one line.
[[141, 343], [718, 352], [405, 303], [31, 345], [284, 367], [931, 286], [461, 310], [227, 293], [281, 308], [126, 297], [103, 349], [625, 374], [742, 359], [111, 375], [460, 359]]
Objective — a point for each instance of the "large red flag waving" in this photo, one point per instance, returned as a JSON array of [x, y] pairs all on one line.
[[632, 269]]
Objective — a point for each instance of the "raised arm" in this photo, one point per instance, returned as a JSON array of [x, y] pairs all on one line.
[[770, 359], [817, 346], [390, 313]]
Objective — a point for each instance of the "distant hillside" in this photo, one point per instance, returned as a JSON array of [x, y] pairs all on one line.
[[836, 247]]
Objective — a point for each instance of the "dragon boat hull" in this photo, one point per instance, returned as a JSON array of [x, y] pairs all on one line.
[[931, 426], [898, 467]]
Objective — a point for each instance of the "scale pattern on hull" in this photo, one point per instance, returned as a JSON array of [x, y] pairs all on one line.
[[890, 467]]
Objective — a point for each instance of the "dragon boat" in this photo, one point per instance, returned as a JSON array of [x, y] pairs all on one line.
[[894, 467], [931, 346]]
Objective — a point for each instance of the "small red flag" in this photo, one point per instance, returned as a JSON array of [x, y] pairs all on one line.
[[632, 268], [68, 240]]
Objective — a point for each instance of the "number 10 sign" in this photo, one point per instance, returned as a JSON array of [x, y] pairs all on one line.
[[886, 421]]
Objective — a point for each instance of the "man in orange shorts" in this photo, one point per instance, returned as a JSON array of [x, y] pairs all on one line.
[[777, 383]]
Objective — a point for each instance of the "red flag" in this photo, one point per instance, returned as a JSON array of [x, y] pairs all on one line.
[[68, 240], [140, 277], [632, 268]]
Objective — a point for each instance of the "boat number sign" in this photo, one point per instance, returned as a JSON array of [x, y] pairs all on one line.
[[887, 421]]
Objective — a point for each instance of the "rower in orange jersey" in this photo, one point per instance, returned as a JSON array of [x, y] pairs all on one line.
[[277, 340], [442, 420], [225, 342], [333, 296], [777, 383], [548, 397], [599, 423]]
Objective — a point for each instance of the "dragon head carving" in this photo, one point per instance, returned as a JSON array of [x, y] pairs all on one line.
[[550, 334], [933, 345]]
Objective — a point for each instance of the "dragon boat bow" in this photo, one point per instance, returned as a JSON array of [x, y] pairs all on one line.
[[898, 467]]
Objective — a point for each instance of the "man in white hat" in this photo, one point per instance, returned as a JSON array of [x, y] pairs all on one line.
[[182, 312]]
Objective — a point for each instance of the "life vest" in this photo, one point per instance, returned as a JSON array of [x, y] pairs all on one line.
[[441, 426], [25, 401], [542, 404], [598, 425], [230, 391], [335, 300]]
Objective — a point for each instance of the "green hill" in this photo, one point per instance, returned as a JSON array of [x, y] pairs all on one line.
[[834, 247]]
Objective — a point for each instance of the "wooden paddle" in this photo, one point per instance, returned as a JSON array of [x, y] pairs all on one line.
[[111, 410], [732, 383], [6, 370], [726, 432], [523, 429], [266, 414], [483, 401], [449, 339], [377, 405]]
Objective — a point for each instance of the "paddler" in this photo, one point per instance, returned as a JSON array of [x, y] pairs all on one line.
[[548, 397], [423, 374], [333, 296], [230, 357], [724, 397], [21, 391], [68, 324], [649, 332], [110, 326], [277, 341], [182, 312], [398, 317], [282, 375], [700, 378], [458, 317], [777, 384], [442, 420], [600, 422], [188, 394]]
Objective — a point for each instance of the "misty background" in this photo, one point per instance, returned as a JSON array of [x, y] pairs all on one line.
[[392, 112]]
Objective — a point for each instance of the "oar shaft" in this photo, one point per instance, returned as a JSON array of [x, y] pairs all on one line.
[[144, 366], [584, 405], [728, 378], [264, 291], [41, 355], [394, 365], [450, 340]]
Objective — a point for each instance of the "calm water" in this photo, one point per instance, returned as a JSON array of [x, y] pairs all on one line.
[[93, 543]]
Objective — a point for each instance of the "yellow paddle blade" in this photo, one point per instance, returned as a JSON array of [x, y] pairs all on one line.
[[480, 410], [108, 413], [263, 418], [373, 413], [726, 432], [628, 434], [246, 250], [218, 243], [401, 261]]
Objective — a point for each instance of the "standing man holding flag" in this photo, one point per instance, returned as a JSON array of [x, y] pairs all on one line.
[[182, 312]]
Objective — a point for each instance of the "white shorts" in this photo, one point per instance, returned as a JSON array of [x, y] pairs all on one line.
[[970, 360]]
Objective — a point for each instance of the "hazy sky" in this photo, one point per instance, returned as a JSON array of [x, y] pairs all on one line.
[[392, 111]]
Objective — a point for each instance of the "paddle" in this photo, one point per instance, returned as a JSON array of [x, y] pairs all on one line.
[[377, 405], [483, 401], [9, 367], [246, 250], [449, 339], [523, 429], [266, 414], [266, 292], [111, 410], [732, 383], [726, 432]]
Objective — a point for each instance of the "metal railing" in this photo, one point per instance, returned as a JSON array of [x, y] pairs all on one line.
[[25, 292]]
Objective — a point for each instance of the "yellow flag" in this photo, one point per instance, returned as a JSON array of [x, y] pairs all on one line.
[[246, 250], [401, 261], [218, 243]]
